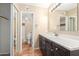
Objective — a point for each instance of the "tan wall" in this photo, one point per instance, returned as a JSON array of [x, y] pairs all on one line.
[[41, 23], [40, 19], [72, 12], [53, 21]]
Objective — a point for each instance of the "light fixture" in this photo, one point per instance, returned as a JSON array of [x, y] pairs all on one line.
[[26, 18], [55, 6]]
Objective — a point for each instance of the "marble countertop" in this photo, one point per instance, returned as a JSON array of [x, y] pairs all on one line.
[[68, 43]]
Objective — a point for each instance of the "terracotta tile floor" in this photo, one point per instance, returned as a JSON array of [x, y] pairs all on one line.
[[28, 51]]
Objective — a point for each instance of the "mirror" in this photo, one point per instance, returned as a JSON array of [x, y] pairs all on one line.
[[67, 16]]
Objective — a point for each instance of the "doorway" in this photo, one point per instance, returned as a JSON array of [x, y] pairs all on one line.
[[27, 32]]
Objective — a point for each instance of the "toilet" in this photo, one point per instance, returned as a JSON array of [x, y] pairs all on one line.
[[29, 37]]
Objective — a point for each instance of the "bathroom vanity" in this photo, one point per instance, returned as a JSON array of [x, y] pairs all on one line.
[[51, 45]]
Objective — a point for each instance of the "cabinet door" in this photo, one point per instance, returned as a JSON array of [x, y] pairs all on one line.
[[60, 51], [52, 49], [48, 51], [41, 42], [48, 47], [42, 45]]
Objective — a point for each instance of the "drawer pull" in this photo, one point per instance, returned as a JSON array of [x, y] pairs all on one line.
[[56, 49], [51, 49]]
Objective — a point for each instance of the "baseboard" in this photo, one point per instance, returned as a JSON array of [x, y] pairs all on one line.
[[4, 54]]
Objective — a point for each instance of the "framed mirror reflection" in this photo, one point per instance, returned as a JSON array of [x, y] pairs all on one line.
[[66, 15]]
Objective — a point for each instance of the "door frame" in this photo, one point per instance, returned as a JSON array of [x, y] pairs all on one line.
[[12, 29], [33, 28], [11, 32]]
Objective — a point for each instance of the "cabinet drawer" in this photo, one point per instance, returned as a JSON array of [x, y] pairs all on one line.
[[48, 43]]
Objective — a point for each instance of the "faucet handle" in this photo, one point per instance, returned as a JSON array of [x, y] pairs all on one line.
[[56, 34]]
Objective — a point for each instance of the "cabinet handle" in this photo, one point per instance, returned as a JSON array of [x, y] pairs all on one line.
[[51, 49], [56, 49]]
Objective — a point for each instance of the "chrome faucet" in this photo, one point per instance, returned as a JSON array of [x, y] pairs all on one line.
[[55, 34]]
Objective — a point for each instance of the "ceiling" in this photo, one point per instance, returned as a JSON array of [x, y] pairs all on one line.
[[44, 5], [39, 3], [66, 6], [63, 6]]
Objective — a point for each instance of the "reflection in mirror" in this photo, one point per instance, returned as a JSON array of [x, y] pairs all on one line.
[[67, 16]]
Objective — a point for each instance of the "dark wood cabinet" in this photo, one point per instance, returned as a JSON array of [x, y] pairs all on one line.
[[50, 48], [42, 45], [60, 51]]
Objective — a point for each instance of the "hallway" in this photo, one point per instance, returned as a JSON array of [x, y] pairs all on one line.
[[28, 51]]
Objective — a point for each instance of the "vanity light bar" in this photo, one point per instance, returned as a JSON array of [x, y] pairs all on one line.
[[55, 7]]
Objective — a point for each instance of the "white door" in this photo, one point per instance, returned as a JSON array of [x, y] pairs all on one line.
[[4, 36]]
